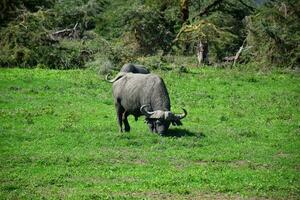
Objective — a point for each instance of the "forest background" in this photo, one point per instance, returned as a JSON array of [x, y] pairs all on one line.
[[104, 34]]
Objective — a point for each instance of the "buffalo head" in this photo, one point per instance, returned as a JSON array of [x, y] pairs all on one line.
[[159, 120]]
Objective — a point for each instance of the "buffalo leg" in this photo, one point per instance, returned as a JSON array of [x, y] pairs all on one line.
[[120, 112], [125, 121]]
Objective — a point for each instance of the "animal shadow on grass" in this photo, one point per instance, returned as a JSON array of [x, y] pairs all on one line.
[[183, 133]]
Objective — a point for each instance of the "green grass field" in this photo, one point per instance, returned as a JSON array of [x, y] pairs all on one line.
[[59, 138]]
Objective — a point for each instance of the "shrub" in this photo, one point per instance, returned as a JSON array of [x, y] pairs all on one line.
[[28, 40], [101, 65], [151, 30], [10, 10], [28, 43], [274, 34]]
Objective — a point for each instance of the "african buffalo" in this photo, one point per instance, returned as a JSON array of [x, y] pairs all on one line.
[[144, 94], [134, 68], [130, 68]]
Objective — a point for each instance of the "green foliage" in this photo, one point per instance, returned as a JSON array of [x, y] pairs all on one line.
[[142, 27], [153, 62], [231, 22], [84, 12], [101, 65], [150, 29], [203, 30], [59, 137], [28, 41], [122, 31], [11, 9], [274, 34], [19, 41], [222, 27]]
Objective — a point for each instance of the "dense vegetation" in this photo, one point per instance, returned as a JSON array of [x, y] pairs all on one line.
[[100, 33], [59, 138]]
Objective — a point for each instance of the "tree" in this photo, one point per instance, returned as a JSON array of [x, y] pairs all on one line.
[[274, 33], [184, 9], [217, 24], [34, 36], [9, 9], [201, 32]]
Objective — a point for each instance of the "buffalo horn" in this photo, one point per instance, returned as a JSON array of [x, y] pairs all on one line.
[[107, 78], [119, 75], [181, 116], [145, 112]]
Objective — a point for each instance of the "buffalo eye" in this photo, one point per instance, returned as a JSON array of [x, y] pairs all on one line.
[[158, 122]]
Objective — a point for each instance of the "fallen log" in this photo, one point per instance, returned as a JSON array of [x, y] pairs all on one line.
[[72, 33]]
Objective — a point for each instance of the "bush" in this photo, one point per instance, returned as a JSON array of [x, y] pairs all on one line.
[[152, 62], [10, 10], [29, 43], [274, 34], [29, 40], [101, 65], [150, 29], [83, 12]]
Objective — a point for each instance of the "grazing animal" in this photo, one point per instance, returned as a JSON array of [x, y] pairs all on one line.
[[134, 68], [144, 94], [130, 68]]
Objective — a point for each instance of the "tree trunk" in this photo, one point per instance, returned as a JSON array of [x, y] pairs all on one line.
[[184, 9], [202, 53], [237, 55]]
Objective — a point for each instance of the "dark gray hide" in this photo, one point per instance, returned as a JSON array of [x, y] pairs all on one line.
[[134, 68], [143, 94], [129, 68]]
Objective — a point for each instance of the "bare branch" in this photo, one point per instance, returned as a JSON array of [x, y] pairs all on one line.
[[67, 32]]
